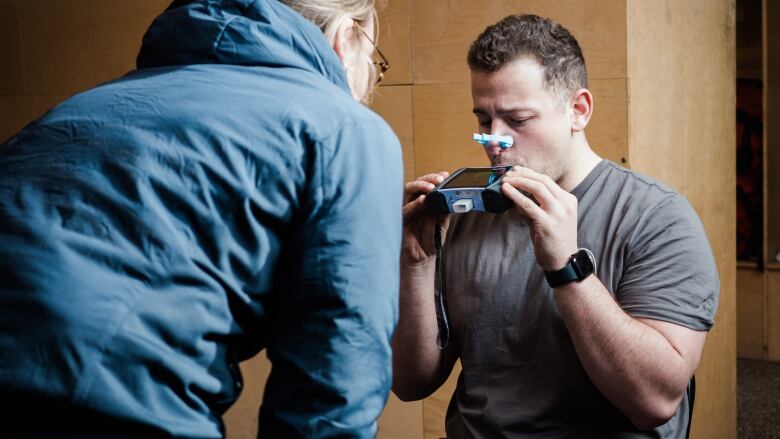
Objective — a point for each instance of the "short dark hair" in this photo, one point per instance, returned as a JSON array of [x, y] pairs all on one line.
[[546, 41]]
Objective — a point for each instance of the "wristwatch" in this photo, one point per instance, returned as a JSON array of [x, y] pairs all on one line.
[[581, 265]]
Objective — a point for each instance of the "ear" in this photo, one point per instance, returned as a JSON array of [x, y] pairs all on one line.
[[581, 109], [344, 41]]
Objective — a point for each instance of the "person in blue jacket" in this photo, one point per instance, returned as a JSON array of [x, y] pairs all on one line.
[[230, 195]]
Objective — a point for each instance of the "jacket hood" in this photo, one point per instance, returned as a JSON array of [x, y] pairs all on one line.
[[238, 32]]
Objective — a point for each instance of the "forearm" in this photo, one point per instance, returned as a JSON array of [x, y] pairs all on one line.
[[631, 363], [417, 361]]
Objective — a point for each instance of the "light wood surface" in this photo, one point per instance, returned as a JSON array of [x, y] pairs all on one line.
[[394, 104], [749, 40], [118, 28], [773, 310], [18, 111], [682, 100], [442, 32], [241, 419], [401, 420], [12, 73], [435, 406], [395, 41], [443, 124], [56, 38], [751, 313], [51, 49], [772, 129]]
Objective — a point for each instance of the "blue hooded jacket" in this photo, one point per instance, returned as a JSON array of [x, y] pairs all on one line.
[[228, 196]]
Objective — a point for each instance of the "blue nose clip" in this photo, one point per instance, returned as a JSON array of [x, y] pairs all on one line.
[[503, 141]]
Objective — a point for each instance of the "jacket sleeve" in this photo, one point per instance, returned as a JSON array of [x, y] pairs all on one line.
[[336, 299]]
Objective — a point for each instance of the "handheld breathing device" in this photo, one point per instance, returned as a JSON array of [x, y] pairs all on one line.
[[477, 189]]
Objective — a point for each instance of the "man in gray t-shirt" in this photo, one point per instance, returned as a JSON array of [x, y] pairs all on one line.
[[551, 345]]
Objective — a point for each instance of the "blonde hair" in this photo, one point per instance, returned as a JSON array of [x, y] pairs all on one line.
[[328, 15]]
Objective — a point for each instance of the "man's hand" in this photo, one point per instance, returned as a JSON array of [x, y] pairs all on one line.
[[553, 221], [419, 366], [419, 224]]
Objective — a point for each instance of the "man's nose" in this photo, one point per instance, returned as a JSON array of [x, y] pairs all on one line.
[[503, 141], [501, 137], [493, 148]]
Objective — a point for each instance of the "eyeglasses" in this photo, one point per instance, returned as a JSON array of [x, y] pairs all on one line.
[[383, 65]]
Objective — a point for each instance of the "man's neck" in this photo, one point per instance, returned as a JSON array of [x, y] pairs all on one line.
[[581, 165]]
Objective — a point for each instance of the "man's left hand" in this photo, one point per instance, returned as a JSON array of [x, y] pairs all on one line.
[[553, 220]]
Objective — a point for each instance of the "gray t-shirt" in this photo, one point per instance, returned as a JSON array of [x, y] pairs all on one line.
[[521, 376]]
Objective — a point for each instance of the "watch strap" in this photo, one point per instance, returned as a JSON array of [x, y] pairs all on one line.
[[563, 276]]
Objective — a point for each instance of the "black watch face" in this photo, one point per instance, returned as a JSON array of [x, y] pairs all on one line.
[[584, 263]]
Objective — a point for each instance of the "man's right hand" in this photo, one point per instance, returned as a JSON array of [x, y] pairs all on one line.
[[419, 223], [419, 366]]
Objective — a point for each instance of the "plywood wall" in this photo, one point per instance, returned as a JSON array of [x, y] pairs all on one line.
[[773, 313], [661, 73], [751, 313], [51, 49], [681, 123], [772, 128]]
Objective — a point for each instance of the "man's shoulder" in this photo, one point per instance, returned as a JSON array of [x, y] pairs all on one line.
[[636, 188], [636, 181]]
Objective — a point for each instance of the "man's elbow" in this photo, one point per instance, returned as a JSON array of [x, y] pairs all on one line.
[[406, 396], [411, 390], [654, 414]]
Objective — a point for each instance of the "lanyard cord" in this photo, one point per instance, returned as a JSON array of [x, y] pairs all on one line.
[[440, 296]]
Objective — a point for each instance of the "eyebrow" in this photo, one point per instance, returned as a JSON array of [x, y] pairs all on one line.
[[479, 111]]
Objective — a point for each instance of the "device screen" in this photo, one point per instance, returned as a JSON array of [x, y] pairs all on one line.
[[475, 177]]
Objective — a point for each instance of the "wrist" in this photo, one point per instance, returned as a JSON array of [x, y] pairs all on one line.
[[410, 266], [558, 263], [579, 266]]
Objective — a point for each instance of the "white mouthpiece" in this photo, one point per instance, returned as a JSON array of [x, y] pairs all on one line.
[[463, 205]]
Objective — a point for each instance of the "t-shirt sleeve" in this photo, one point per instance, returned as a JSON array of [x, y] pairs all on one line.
[[670, 272]]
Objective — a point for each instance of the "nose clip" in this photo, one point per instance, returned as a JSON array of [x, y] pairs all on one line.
[[503, 141]]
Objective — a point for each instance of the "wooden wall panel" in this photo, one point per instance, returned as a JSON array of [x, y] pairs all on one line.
[[57, 45], [772, 128], [394, 104], [11, 74], [50, 49], [443, 125], [607, 132], [773, 313], [751, 313], [401, 420], [241, 419], [119, 26], [394, 41], [750, 45], [442, 31], [435, 406], [681, 117], [17, 111]]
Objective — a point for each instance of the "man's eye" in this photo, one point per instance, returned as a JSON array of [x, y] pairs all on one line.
[[518, 121]]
